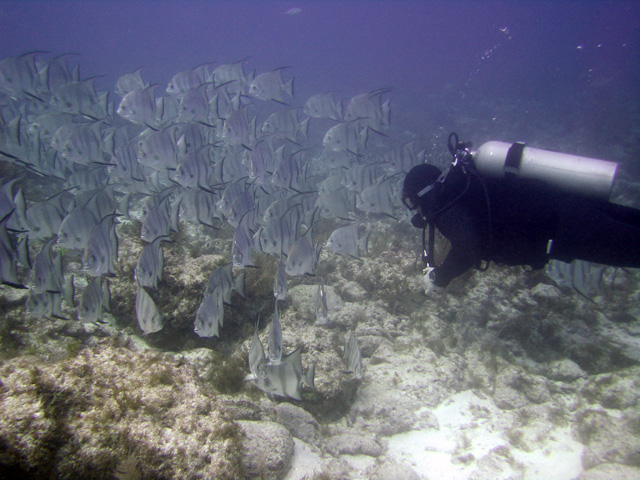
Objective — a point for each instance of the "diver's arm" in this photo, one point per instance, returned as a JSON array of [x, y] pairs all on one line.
[[457, 225]]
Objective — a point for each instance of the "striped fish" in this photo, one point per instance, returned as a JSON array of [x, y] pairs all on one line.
[[352, 356], [284, 379], [149, 317]]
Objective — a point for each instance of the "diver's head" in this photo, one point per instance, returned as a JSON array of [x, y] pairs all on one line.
[[419, 187]]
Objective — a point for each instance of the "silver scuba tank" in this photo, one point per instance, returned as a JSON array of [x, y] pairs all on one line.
[[573, 173]]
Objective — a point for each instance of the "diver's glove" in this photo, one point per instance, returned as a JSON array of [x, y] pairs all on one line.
[[418, 221], [428, 280]]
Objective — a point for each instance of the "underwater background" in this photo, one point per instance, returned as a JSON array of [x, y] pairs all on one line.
[[135, 366]]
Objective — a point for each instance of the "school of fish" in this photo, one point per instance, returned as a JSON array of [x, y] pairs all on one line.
[[216, 145]]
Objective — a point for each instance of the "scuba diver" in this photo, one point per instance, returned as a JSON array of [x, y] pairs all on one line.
[[517, 205]]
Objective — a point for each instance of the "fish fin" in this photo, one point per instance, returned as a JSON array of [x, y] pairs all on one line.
[[310, 376]]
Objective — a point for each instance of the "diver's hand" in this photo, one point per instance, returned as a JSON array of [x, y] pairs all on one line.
[[428, 279], [429, 282]]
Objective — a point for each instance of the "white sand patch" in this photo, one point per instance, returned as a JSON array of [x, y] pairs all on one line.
[[305, 462], [558, 457], [470, 428]]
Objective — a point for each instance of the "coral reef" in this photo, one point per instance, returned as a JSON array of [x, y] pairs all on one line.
[[108, 409]]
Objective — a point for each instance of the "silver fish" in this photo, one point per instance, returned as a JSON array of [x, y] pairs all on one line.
[[45, 126], [346, 137], [149, 317], [286, 122], [18, 75], [46, 304], [345, 241], [361, 176], [124, 166], [284, 379], [200, 206], [351, 355], [271, 86], [242, 242], [196, 169], [185, 81], [7, 203], [160, 220], [279, 207], [229, 195], [377, 198], [148, 270], [84, 145], [194, 105], [139, 106], [95, 299], [238, 129], [302, 257], [8, 263], [277, 236], [258, 160], [339, 204], [404, 158], [47, 271], [210, 315], [101, 252], [241, 204], [288, 173], [222, 283], [69, 291], [280, 282], [230, 75], [129, 82], [323, 105], [55, 73], [256, 353], [158, 150], [274, 340], [45, 218], [76, 228], [322, 312], [78, 98], [369, 109]]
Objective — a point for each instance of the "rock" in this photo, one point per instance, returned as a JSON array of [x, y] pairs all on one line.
[[369, 344], [506, 397], [613, 390], [299, 422], [353, 292], [565, 371], [354, 444], [268, 449], [515, 388], [607, 439], [392, 470], [498, 464], [83, 416], [201, 359], [388, 414], [611, 471]]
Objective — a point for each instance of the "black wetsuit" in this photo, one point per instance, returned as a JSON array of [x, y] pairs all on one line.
[[528, 222]]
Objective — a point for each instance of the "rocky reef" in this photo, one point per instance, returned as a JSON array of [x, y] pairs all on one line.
[[504, 375]]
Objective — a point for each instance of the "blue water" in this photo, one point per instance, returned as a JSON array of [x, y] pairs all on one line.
[[444, 60]]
